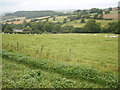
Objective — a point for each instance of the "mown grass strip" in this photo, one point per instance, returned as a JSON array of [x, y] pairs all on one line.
[[76, 71]]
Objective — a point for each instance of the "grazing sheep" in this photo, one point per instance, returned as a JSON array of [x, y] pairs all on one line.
[[112, 36], [84, 34], [106, 36], [95, 35]]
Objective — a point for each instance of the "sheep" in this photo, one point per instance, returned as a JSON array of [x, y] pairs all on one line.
[[84, 34], [113, 36], [95, 35], [106, 36]]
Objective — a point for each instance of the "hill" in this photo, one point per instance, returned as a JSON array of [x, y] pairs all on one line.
[[33, 14]]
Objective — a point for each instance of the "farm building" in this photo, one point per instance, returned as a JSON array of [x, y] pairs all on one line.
[[18, 30]]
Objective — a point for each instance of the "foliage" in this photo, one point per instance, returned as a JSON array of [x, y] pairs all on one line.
[[28, 28], [92, 26], [65, 20], [96, 10], [113, 27], [107, 12], [95, 16], [48, 26], [8, 29], [110, 9], [33, 14], [67, 29], [79, 72], [82, 20]]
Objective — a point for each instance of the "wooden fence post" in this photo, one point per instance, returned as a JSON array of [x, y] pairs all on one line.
[[69, 51], [17, 46]]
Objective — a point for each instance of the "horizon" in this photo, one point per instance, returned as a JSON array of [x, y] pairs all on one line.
[[55, 5], [57, 10]]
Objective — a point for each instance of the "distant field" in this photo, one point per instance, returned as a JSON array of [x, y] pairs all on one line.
[[58, 19], [22, 19], [76, 23], [111, 16], [114, 12], [60, 60]]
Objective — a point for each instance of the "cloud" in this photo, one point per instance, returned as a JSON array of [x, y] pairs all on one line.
[[14, 5]]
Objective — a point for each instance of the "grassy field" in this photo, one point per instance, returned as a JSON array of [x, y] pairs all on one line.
[[64, 60], [58, 19], [114, 12], [76, 23]]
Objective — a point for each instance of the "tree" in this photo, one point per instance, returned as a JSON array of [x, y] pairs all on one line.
[[96, 10], [4, 26], [87, 16], [77, 30], [113, 27], [48, 26], [84, 12], [56, 28], [33, 14], [28, 28], [79, 16], [82, 20], [54, 18], [110, 9], [107, 12], [8, 29], [95, 16], [47, 19], [77, 11], [37, 26], [92, 27], [67, 29], [65, 20], [100, 16]]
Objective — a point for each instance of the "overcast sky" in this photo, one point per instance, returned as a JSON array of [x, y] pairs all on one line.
[[15, 5]]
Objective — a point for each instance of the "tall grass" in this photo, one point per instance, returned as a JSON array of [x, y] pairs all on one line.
[[76, 71]]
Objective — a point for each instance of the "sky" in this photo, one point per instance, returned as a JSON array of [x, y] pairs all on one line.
[[16, 5]]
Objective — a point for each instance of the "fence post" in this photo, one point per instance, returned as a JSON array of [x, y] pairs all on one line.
[[17, 46], [70, 51]]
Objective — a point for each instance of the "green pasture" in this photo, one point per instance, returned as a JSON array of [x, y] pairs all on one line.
[[59, 61], [20, 70], [114, 12], [76, 23], [58, 19], [96, 51]]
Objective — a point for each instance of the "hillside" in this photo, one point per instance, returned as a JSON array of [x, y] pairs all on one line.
[[33, 14]]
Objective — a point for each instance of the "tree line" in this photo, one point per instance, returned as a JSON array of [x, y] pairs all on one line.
[[33, 14], [91, 26]]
